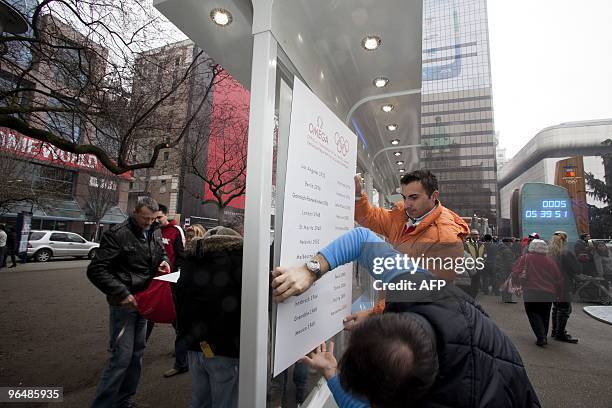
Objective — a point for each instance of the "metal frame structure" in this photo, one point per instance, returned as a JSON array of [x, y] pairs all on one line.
[[319, 42]]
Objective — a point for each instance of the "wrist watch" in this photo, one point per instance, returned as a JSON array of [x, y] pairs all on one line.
[[315, 267]]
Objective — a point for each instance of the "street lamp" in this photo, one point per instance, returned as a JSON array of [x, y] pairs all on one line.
[[11, 20]]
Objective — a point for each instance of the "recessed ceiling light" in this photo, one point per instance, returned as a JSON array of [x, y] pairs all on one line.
[[402, 170], [392, 127], [387, 108], [371, 42], [399, 163], [396, 154], [381, 82], [395, 142], [221, 17]]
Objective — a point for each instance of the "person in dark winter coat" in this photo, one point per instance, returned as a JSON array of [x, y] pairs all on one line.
[[430, 348], [208, 296], [569, 267], [503, 266], [488, 273], [542, 285], [584, 253], [11, 247]]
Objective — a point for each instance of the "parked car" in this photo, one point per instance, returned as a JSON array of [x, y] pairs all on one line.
[[44, 245]]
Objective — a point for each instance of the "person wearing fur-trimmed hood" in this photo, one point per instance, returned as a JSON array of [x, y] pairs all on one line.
[[208, 296]]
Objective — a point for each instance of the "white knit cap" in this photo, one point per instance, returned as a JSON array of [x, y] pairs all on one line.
[[538, 246]]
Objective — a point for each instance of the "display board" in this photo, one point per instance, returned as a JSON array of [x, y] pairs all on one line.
[[546, 208], [318, 207]]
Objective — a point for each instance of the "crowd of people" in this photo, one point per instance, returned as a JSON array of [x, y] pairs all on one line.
[[429, 348]]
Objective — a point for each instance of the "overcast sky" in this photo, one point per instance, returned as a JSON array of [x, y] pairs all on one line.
[[551, 62]]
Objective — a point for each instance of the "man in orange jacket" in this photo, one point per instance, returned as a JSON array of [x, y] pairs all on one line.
[[419, 226]]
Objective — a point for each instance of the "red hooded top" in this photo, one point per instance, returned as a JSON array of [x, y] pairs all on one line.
[[173, 238]]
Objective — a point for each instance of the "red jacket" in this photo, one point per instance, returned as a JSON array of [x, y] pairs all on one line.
[[542, 273], [173, 238]]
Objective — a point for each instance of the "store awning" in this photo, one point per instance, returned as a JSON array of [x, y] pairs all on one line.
[[114, 216], [61, 210]]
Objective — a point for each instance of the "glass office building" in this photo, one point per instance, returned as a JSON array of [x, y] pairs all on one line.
[[457, 128]]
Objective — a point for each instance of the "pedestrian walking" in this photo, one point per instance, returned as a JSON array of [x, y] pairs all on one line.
[[542, 283], [11, 247], [489, 283], [569, 267], [3, 249], [506, 257], [475, 250], [584, 253]]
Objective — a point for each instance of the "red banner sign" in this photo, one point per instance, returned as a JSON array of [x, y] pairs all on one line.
[[27, 147]]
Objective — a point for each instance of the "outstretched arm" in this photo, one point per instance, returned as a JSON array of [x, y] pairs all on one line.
[[359, 244]]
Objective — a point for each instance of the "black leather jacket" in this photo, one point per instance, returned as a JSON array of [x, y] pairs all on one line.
[[126, 262]]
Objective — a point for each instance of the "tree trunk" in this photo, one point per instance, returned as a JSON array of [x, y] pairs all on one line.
[[97, 232], [220, 215]]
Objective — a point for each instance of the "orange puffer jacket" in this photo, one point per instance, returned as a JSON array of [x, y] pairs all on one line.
[[437, 237]]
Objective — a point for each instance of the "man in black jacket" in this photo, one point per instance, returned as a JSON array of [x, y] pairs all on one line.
[[129, 256]]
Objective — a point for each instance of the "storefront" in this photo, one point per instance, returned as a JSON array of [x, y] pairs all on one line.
[[67, 192]]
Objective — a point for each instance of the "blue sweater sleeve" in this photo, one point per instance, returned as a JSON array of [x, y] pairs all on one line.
[[371, 252], [344, 399]]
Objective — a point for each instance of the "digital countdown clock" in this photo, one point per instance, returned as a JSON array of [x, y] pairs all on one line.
[[546, 208], [550, 209]]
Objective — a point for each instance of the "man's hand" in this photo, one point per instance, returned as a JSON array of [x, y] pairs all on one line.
[[322, 360], [291, 281], [358, 185], [164, 267], [356, 318], [130, 301]]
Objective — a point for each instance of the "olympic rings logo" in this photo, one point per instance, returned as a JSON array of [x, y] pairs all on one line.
[[341, 144]]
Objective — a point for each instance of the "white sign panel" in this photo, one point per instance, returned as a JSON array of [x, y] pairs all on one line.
[[318, 207]]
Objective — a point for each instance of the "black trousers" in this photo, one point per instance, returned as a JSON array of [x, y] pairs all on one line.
[[475, 286], [538, 314], [560, 315]]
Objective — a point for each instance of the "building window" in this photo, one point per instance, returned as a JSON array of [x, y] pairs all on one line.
[[162, 187], [166, 156]]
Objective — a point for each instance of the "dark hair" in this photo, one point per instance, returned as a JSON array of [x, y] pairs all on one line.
[[148, 202], [427, 178], [163, 209], [487, 238], [391, 359]]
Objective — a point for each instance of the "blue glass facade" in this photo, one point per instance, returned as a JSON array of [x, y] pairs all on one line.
[[457, 127]]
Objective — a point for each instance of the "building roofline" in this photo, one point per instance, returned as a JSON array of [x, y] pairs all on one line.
[[541, 147]]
